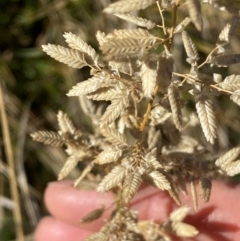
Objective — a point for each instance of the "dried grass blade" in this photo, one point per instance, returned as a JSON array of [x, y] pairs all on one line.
[[105, 93], [126, 6], [179, 214], [206, 117], [232, 169], [231, 83], [223, 38], [108, 155], [158, 115], [194, 195], [137, 20], [49, 138], [160, 180], [71, 57], [190, 47], [18, 220], [235, 97], [150, 158], [95, 214], [234, 22], [138, 33], [148, 75], [228, 157], [182, 184], [173, 193], [165, 69], [225, 60], [87, 86], [195, 13], [84, 173], [68, 166], [118, 49], [114, 136], [131, 185], [126, 43], [77, 43], [185, 230], [113, 178], [65, 124], [205, 188], [180, 27], [101, 37], [174, 100], [229, 29], [154, 139], [114, 110]]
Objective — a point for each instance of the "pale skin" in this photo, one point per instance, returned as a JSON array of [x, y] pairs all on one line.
[[217, 220]]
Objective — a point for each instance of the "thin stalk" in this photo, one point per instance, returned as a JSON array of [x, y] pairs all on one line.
[[189, 77], [13, 179], [163, 21], [1, 194], [174, 23], [19, 157], [220, 89], [146, 116], [208, 57]]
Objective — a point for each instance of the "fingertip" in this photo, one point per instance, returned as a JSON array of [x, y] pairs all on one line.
[[51, 229], [70, 204], [153, 204]]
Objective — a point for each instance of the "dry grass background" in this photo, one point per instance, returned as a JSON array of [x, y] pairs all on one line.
[[32, 90]]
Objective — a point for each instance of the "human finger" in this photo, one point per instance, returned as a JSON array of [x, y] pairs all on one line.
[[70, 204], [51, 229], [216, 220], [156, 205]]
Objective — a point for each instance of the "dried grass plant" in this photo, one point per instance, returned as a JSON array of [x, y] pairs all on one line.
[[143, 133]]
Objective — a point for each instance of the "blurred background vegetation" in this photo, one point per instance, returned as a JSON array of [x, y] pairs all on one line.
[[34, 86], [33, 89]]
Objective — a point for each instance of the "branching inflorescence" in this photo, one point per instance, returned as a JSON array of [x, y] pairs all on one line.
[[142, 135]]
